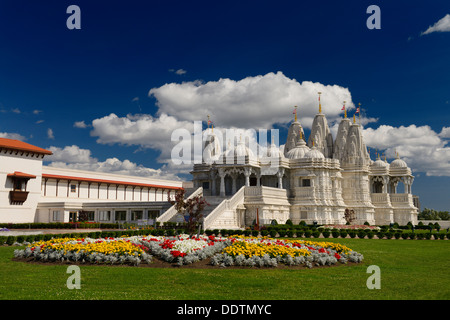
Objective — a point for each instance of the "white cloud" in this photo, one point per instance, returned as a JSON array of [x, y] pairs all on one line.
[[253, 102], [445, 133], [50, 134], [70, 154], [443, 25], [141, 130], [80, 124], [14, 136], [421, 147], [37, 111], [178, 72], [16, 110], [74, 157]]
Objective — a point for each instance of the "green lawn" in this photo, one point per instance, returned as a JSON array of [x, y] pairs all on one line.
[[410, 269]]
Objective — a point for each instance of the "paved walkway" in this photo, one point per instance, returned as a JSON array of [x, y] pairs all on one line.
[[25, 232]]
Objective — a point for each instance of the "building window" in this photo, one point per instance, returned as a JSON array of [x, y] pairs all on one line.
[[73, 216], [104, 215], [303, 215], [121, 215], [73, 188], [305, 183], [153, 214], [205, 185], [56, 215], [136, 215]]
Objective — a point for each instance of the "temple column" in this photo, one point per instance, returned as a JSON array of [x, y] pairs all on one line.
[[213, 183], [222, 175], [247, 173], [280, 174], [233, 185]]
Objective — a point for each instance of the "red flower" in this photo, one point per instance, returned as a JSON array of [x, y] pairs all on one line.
[[337, 256]]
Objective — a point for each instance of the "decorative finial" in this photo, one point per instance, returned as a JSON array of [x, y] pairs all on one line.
[[320, 106], [209, 121], [295, 112], [345, 111], [300, 131], [354, 119]]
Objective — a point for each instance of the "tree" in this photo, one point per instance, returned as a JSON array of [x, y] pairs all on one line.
[[191, 209], [349, 216]]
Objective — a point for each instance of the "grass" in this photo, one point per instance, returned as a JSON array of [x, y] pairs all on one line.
[[410, 270]]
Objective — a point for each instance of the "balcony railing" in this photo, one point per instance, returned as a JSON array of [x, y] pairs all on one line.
[[18, 197]]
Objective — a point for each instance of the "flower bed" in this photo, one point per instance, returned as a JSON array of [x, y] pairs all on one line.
[[107, 250], [183, 250], [267, 252]]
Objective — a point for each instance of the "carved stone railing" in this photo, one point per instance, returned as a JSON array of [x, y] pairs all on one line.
[[225, 205]]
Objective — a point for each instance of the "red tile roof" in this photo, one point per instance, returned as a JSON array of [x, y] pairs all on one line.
[[126, 183], [21, 146], [19, 174]]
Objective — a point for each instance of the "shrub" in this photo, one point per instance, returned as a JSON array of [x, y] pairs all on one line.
[[308, 234], [343, 233], [405, 235], [389, 235], [289, 222], [290, 234], [10, 240], [264, 233], [420, 236], [442, 236], [273, 233], [302, 223], [282, 233], [316, 234], [247, 232], [397, 235], [255, 233], [427, 236], [326, 234], [361, 234], [20, 239], [412, 235], [380, 235], [352, 234], [3, 240]]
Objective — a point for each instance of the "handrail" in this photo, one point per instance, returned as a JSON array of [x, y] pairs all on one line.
[[171, 212], [226, 204]]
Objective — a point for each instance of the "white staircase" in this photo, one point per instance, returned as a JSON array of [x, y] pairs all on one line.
[[228, 214]]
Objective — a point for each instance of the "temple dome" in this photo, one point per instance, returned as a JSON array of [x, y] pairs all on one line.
[[379, 164], [274, 152], [398, 163], [314, 153], [241, 150], [299, 151]]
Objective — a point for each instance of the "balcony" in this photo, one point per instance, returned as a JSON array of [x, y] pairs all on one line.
[[18, 197]]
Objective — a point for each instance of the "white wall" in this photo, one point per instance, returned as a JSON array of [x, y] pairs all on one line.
[[9, 163]]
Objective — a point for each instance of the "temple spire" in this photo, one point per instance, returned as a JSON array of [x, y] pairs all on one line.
[[320, 106], [295, 112], [345, 111]]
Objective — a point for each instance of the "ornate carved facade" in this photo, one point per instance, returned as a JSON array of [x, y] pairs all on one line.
[[314, 181]]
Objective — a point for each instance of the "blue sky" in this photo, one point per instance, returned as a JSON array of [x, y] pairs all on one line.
[[89, 89]]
